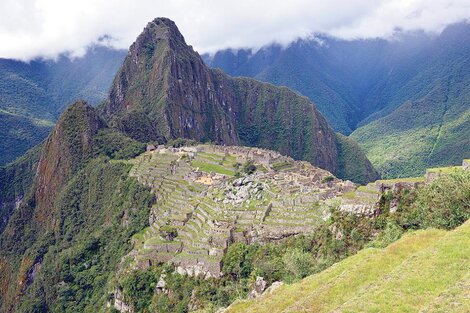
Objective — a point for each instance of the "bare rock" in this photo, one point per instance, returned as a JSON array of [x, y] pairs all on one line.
[[258, 287], [273, 287]]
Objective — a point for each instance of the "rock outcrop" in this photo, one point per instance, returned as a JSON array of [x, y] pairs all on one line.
[[164, 91]]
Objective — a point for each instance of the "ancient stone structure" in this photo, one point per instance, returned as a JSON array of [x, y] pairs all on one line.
[[204, 204], [466, 165], [119, 303], [210, 210]]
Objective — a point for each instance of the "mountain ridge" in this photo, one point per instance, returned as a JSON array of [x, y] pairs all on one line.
[[164, 91]]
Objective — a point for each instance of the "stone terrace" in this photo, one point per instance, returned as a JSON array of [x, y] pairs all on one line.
[[204, 203], [207, 208]]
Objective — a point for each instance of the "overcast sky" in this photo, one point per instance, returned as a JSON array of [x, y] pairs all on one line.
[[45, 28]]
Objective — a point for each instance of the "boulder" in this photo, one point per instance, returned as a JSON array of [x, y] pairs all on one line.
[[273, 287], [258, 287]]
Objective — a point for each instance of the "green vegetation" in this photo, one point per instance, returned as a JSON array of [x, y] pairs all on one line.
[[352, 163], [410, 264], [249, 167], [116, 145], [444, 203], [281, 165], [209, 167], [405, 180], [80, 234], [19, 133], [444, 170], [407, 276], [16, 180], [328, 179], [99, 210], [180, 142], [168, 232], [429, 127], [441, 204]]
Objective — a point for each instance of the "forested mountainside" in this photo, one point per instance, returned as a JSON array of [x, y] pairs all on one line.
[[164, 91], [62, 212], [32, 95], [354, 83], [432, 127]]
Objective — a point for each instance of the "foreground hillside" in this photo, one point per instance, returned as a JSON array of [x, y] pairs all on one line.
[[425, 271]]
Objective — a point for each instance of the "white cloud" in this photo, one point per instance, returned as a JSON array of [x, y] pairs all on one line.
[[33, 28]]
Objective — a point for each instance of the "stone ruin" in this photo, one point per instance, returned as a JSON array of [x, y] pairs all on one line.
[[210, 211]]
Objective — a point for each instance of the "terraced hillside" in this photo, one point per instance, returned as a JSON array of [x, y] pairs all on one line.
[[425, 271], [206, 201], [208, 198]]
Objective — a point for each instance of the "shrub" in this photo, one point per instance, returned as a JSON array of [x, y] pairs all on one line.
[[249, 167], [328, 179], [297, 263], [444, 203], [181, 142]]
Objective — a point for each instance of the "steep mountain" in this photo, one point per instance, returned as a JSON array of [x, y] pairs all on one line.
[[62, 202], [164, 91], [32, 95]]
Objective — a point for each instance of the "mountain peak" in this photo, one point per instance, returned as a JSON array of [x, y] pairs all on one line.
[[161, 28], [66, 148], [165, 91]]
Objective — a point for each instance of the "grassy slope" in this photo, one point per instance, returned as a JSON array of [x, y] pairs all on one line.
[[424, 270]]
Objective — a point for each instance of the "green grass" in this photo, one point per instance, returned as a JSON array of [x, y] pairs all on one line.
[[367, 190], [400, 180], [445, 170], [281, 165], [208, 167], [427, 269]]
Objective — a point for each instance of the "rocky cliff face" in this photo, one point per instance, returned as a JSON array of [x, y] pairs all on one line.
[[164, 91], [64, 150]]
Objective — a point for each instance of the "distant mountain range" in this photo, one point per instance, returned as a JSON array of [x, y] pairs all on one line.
[[412, 91], [33, 95]]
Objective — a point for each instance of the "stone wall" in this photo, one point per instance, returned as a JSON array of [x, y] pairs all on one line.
[[466, 165]]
